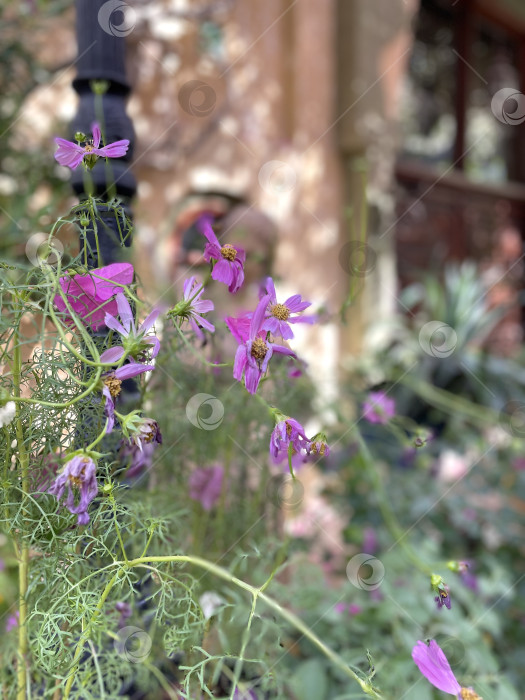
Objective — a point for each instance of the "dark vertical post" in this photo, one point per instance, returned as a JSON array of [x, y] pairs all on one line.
[[100, 33], [101, 57]]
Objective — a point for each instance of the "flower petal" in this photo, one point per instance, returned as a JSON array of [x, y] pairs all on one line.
[[153, 340], [95, 130], [149, 320], [240, 362], [204, 226], [132, 370], [269, 286], [112, 354], [433, 664], [125, 313], [258, 316]]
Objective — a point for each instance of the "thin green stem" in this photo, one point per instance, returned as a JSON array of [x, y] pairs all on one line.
[[389, 517], [85, 634], [23, 550], [257, 594]]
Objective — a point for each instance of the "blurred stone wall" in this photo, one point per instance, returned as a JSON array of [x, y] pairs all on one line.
[[282, 105]]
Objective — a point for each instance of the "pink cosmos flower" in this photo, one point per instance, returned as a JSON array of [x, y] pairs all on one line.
[[254, 354], [134, 340], [434, 665], [206, 485], [112, 384], [279, 316], [91, 296], [192, 307], [78, 474], [379, 408], [72, 154], [229, 265]]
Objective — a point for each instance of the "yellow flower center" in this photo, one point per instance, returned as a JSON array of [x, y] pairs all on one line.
[[113, 385], [469, 694], [259, 349], [280, 311], [318, 449], [88, 147], [77, 480], [228, 252]]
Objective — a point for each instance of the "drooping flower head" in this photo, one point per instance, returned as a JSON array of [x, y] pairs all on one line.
[[135, 341], [319, 446], [229, 259], [192, 307], [442, 590], [206, 485], [79, 477], [288, 439], [111, 386], [379, 408], [91, 296], [72, 154], [141, 430], [279, 316], [433, 664], [254, 354]]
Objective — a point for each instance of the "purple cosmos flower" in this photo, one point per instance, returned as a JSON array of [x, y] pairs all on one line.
[[229, 266], [443, 598], [134, 340], [254, 354], [192, 306], [433, 664], [287, 432], [72, 154], [79, 473], [112, 383], [12, 621], [91, 296], [378, 408], [206, 485], [279, 316], [145, 431]]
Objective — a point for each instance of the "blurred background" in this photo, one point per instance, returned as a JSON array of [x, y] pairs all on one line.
[[370, 155]]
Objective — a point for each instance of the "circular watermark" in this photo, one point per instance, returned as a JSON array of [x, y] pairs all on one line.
[[197, 98], [41, 249], [206, 422], [277, 177], [285, 492], [512, 418], [438, 339], [132, 644], [366, 572], [117, 18], [508, 106], [357, 258], [453, 648]]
